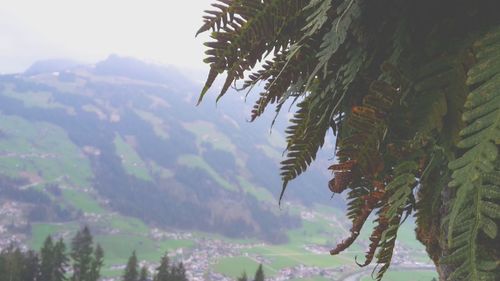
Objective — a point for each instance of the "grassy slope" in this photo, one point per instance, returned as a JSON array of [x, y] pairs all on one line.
[[41, 149], [195, 161], [82, 201], [26, 137], [207, 132], [131, 161], [63, 162]]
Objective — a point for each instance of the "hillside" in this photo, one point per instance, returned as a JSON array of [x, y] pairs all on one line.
[[120, 146]]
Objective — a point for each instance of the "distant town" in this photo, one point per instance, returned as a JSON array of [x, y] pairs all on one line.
[[199, 260]]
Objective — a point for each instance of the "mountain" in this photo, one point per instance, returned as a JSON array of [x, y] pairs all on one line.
[[50, 66], [121, 147], [124, 136]]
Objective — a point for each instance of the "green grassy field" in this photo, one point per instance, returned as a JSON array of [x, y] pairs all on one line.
[[414, 275], [131, 161], [207, 132], [311, 279], [40, 231], [235, 266], [41, 150], [127, 224], [318, 231], [155, 121], [36, 99], [195, 161], [258, 192], [82, 201], [118, 248]]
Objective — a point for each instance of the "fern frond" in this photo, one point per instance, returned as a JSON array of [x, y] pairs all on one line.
[[280, 74], [219, 18], [480, 139], [434, 178], [375, 238], [258, 27], [358, 211], [318, 16], [399, 192], [305, 137], [347, 13], [326, 55]]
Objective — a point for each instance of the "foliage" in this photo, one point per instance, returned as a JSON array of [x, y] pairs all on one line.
[[259, 274], [411, 91], [163, 270], [97, 263], [131, 272], [87, 262], [53, 261], [170, 272], [16, 265], [49, 264]]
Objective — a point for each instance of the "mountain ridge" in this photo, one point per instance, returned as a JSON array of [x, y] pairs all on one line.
[[122, 109]]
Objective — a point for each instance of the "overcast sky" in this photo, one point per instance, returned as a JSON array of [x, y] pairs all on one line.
[[89, 30]]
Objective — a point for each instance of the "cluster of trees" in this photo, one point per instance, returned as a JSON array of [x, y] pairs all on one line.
[[42, 208], [164, 272], [52, 263], [259, 275]]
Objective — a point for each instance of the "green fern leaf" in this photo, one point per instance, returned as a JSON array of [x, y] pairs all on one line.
[[472, 171]]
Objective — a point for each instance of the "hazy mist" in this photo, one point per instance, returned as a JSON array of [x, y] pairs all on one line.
[[153, 30]]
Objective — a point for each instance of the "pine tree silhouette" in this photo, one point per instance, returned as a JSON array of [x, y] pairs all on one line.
[[131, 273], [259, 274]]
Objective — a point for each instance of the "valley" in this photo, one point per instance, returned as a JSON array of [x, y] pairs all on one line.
[[120, 147]]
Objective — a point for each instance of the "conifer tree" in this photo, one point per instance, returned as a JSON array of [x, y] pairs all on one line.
[[81, 253], [144, 275], [163, 271], [2, 267], [178, 273], [47, 260], [16, 265], [60, 261], [131, 273], [97, 262], [31, 267], [53, 261], [12, 264], [259, 274]]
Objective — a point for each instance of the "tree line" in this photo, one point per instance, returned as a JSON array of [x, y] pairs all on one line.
[[166, 271], [259, 275], [84, 263], [52, 262]]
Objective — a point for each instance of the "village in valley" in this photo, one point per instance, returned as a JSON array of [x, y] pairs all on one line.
[[202, 257]]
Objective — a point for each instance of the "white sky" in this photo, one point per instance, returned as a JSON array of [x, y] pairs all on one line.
[[89, 30]]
